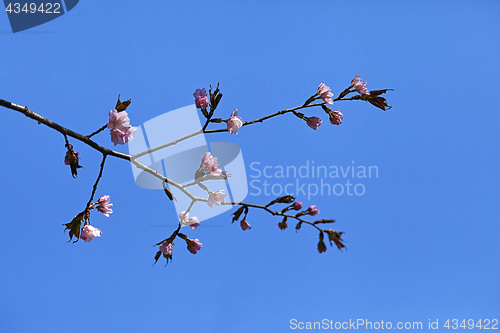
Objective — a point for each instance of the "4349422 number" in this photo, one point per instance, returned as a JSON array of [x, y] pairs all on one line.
[[485, 324], [45, 8]]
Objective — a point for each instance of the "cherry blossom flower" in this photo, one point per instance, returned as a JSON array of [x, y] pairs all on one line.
[[193, 222], [325, 93], [234, 122], [245, 225], [166, 248], [193, 245], [207, 162], [312, 210], [216, 198], [200, 98], [360, 86], [118, 120], [336, 117], [89, 233], [120, 128], [121, 137], [104, 206], [211, 165], [297, 205], [314, 122]]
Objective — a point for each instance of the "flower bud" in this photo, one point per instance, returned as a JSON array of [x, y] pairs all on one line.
[[245, 225]]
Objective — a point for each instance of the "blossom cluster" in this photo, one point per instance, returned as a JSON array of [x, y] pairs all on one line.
[[120, 128], [335, 116]]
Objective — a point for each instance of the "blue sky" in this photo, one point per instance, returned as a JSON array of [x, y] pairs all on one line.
[[422, 241]]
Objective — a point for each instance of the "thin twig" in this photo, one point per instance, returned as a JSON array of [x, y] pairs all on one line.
[[97, 180]]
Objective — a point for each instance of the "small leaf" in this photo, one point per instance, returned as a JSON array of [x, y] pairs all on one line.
[[238, 213], [122, 106], [74, 227]]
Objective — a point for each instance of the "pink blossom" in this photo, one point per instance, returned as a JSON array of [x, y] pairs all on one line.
[[200, 98], [314, 122], [193, 222], [360, 86], [118, 120], [211, 165], [89, 233], [216, 198], [104, 200], [166, 248], [121, 137], [356, 81], [104, 205], [297, 205], [325, 93], [234, 122], [207, 162], [336, 117], [193, 245], [245, 225], [313, 210]]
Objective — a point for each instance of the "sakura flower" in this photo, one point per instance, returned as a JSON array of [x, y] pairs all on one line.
[[312, 210], [193, 245], [297, 205], [245, 225], [166, 248], [336, 117], [234, 122], [325, 93], [216, 198], [207, 162], [193, 222], [89, 233], [200, 98], [356, 81], [119, 136], [104, 206], [118, 120], [314, 122], [211, 165], [360, 86]]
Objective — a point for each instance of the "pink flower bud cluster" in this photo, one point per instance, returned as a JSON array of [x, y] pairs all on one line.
[[314, 122], [104, 206], [200, 98], [193, 245], [216, 198], [89, 233], [325, 93], [120, 128], [245, 225], [360, 86], [166, 248], [211, 165], [336, 117], [234, 122], [193, 222]]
